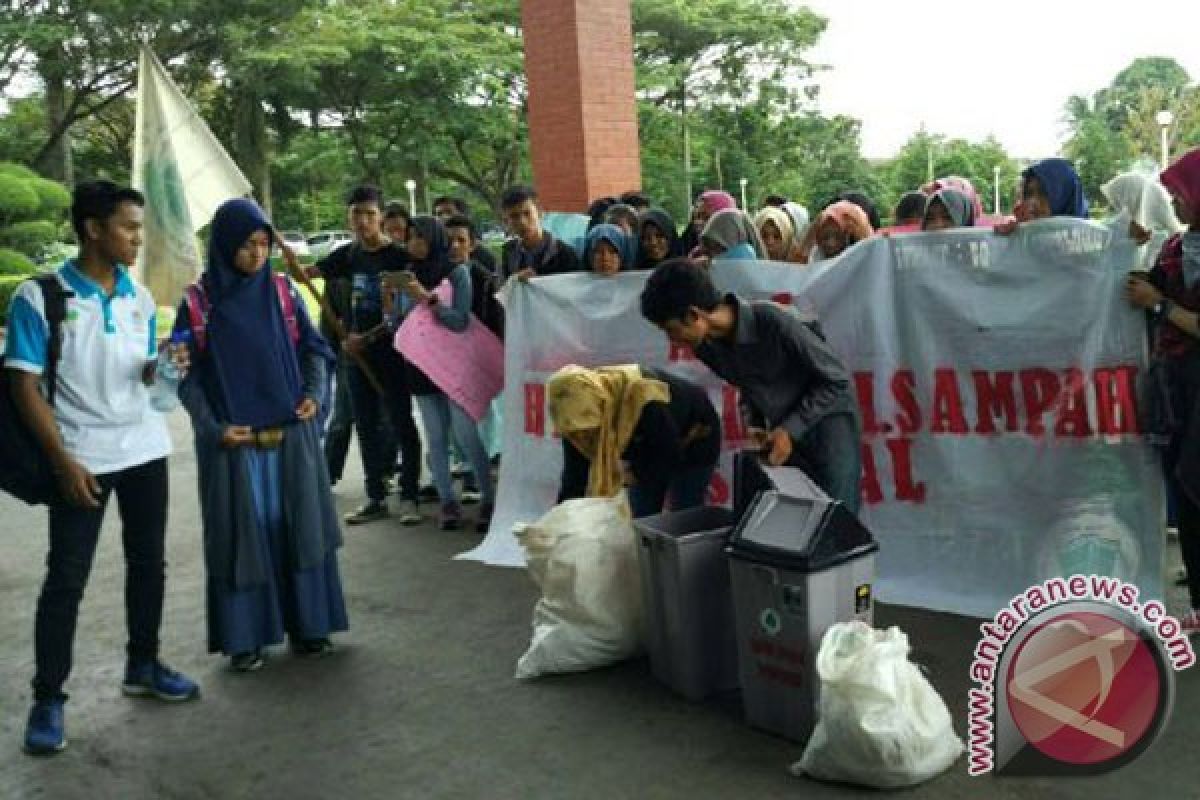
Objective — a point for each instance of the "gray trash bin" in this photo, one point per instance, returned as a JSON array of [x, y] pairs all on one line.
[[798, 565], [688, 607]]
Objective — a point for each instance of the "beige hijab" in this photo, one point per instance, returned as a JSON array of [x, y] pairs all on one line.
[[597, 410], [783, 222]]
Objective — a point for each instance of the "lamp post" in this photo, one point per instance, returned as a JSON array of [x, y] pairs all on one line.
[[743, 183], [411, 185], [1164, 119], [996, 190]]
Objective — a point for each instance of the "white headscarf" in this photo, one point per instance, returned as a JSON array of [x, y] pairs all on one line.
[[1144, 200]]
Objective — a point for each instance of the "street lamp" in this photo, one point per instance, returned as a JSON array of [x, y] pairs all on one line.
[[996, 190], [1164, 119], [743, 183], [411, 185]]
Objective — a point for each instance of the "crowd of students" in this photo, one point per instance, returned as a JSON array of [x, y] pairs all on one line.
[[271, 438]]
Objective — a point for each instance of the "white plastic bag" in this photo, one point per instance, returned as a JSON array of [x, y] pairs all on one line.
[[583, 556], [881, 724]]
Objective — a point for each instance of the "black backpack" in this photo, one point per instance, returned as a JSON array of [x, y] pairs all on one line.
[[25, 472]]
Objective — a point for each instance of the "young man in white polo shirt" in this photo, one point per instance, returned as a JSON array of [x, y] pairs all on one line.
[[102, 439]]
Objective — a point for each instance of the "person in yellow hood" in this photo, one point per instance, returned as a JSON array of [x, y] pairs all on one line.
[[629, 426]]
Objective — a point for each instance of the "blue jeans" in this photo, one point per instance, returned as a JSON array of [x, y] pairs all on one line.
[[686, 489], [830, 454], [444, 419]]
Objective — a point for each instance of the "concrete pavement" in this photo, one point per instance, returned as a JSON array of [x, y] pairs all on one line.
[[419, 700]]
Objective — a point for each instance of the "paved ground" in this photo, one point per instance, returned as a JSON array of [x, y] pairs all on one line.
[[419, 701]]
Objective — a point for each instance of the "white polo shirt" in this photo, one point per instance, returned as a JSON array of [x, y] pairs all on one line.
[[101, 405]]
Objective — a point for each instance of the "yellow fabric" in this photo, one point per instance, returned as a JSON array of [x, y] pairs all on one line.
[[597, 411]]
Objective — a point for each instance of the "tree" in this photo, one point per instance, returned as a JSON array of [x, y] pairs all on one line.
[[1117, 127], [84, 53], [926, 156], [696, 54], [32, 213]]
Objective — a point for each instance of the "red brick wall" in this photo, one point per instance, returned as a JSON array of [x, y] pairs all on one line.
[[582, 110]]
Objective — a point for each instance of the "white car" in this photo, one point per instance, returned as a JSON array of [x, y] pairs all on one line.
[[322, 243], [297, 241]]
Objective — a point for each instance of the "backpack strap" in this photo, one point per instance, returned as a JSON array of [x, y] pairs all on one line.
[[287, 303], [198, 307], [196, 300], [54, 303]]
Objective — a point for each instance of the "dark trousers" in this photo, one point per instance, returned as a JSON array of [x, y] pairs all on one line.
[[142, 503], [341, 423], [1188, 518], [369, 409], [829, 453]]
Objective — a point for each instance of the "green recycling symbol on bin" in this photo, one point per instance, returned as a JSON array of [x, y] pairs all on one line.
[[770, 621]]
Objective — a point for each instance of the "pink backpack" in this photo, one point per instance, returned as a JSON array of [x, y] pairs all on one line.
[[198, 307]]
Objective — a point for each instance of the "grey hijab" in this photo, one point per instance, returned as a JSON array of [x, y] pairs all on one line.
[[732, 227], [957, 205]]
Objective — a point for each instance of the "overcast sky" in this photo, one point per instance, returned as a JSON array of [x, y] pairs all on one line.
[[967, 69]]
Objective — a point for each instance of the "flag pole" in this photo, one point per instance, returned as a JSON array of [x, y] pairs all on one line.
[[289, 258]]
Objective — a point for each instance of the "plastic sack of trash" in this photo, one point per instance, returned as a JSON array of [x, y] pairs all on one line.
[[880, 723], [583, 556]]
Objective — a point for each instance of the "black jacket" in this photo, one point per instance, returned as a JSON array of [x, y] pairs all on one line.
[[556, 258], [788, 375]]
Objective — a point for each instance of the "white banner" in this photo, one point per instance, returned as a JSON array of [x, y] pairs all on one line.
[[996, 381], [185, 175]]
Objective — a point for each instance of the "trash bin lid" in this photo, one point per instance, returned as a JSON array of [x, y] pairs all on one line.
[[804, 534]]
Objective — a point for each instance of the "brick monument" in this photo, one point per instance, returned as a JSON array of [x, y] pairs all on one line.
[[583, 129]]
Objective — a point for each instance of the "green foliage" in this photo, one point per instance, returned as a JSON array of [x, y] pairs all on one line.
[[31, 236], [927, 156], [14, 263], [17, 198], [1117, 128], [8, 287], [31, 213]]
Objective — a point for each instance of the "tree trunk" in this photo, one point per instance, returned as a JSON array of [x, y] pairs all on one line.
[[687, 146], [252, 145], [55, 161]]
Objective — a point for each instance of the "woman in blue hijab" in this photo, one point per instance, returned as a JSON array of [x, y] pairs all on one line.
[[608, 250], [255, 395], [1052, 188]]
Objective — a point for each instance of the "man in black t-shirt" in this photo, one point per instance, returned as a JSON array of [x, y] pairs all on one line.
[[362, 263]]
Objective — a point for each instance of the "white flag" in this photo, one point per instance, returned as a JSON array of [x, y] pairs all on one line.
[[185, 175]]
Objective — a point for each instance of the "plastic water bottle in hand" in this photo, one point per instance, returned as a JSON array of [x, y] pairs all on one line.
[[164, 394]]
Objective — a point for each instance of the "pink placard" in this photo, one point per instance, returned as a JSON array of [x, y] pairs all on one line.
[[467, 366]]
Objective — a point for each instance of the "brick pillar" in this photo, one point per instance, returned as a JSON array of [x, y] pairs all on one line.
[[583, 127]]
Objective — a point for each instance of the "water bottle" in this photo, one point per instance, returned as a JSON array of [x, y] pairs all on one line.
[[164, 393]]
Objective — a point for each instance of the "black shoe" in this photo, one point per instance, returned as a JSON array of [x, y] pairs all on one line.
[[247, 662], [372, 511], [428, 494], [484, 521], [315, 648]]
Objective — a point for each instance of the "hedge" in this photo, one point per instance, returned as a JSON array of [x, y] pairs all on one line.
[[17, 197], [14, 263], [8, 285]]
